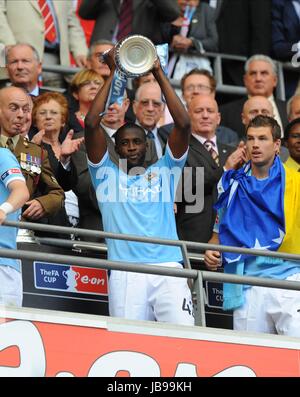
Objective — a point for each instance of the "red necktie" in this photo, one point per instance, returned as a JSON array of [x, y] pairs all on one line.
[[209, 145], [125, 19], [50, 31]]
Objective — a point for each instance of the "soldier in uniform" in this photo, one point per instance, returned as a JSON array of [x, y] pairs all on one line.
[[46, 195]]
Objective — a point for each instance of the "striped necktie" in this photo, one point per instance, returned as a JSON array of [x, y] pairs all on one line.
[[125, 19], [50, 31], [209, 146], [150, 134]]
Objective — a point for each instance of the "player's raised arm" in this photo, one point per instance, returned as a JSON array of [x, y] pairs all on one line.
[[94, 134], [179, 138]]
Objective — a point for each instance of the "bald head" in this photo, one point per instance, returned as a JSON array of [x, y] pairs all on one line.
[[148, 88], [203, 100], [254, 106], [15, 111], [7, 92], [293, 107], [204, 114]]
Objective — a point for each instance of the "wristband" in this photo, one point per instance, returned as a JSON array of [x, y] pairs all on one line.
[[6, 207]]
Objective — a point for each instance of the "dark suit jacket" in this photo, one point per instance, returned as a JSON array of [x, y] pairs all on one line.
[[244, 27], [66, 179], [217, 9], [147, 17], [224, 135], [231, 115], [198, 226], [285, 29], [202, 29]]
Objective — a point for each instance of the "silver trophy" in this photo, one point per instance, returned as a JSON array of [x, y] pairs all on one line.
[[134, 55]]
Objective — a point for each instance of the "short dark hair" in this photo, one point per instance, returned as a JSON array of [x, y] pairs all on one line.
[[266, 121], [288, 128], [129, 126], [201, 72]]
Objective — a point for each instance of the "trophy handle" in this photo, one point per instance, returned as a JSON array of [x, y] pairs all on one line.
[[103, 56]]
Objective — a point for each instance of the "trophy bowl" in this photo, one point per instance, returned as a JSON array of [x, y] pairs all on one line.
[[135, 55]]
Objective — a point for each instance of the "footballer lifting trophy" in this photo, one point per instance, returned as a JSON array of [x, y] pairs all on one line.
[[134, 55]]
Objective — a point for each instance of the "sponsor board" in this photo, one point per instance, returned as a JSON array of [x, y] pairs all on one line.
[[45, 344], [214, 293], [61, 277]]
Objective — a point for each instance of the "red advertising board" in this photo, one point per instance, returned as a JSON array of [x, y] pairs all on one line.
[[49, 344]]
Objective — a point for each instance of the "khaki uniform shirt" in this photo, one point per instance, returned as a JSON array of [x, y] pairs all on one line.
[[39, 176]]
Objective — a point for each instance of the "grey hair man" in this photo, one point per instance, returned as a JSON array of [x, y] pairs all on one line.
[[93, 58], [24, 67], [260, 78]]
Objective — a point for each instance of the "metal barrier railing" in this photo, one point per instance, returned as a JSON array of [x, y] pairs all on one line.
[[196, 276]]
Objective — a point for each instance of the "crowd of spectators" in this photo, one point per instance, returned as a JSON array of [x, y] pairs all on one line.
[[49, 142]]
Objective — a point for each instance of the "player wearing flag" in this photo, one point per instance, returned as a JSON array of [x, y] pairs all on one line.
[[259, 207]]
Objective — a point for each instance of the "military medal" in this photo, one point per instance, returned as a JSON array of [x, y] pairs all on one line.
[[23, 161], [38, 165], [28, 162]]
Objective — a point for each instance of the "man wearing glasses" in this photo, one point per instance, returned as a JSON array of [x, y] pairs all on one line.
[[148, 108], [201, 82]]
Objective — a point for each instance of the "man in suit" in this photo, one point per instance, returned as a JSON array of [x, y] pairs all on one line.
[[260, 78], [147, 16], [148, 108], [195, 218], [23, 21], [46, 196], [93, 59], [201, 82], [202, 34], [191, 33]]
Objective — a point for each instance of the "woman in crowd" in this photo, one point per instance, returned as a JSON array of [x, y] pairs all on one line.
[[84, 87], [50, 114]]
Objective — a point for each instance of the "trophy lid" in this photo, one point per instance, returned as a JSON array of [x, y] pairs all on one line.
[[135, 55]]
